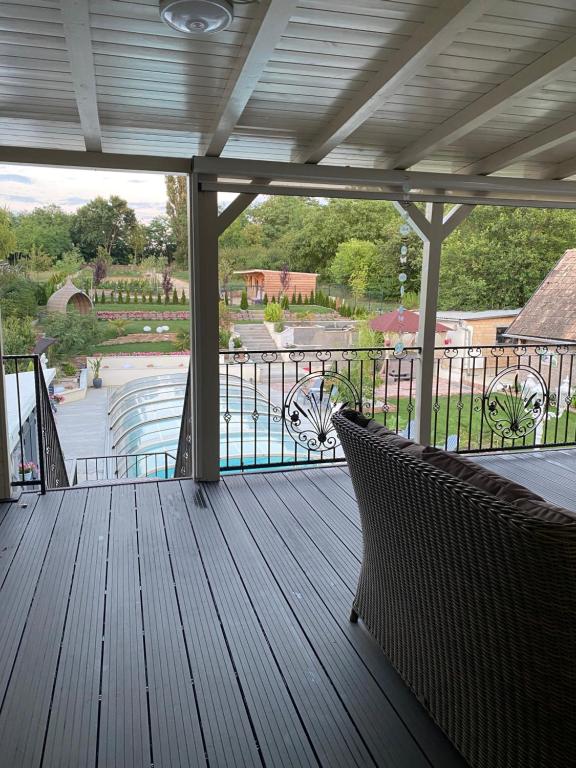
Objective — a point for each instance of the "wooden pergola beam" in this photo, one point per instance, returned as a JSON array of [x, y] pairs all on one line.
[[76, 22], [267, 29], [553, 136], [432, 37], [534, 76]]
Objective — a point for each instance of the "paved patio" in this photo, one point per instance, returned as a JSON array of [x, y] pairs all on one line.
[[83, 425]]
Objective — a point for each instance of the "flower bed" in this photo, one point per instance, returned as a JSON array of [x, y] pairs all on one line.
[[143, 315], [146, 354]]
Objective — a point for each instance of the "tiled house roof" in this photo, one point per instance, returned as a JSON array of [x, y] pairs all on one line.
[[551, 312]]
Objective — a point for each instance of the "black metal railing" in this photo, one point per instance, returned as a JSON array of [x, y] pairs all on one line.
[[36, 456], [184, 452], [98, 469], [276, 406], [504, 397]]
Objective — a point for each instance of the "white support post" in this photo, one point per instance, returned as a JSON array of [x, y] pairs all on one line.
[[427, 325], [5, 474], [204, 360]]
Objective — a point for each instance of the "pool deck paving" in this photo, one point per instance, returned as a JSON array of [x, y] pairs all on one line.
[[83, 425]]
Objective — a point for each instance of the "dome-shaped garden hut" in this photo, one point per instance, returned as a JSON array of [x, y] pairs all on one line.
[[69, 297]]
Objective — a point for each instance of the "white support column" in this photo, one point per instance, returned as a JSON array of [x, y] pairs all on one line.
[[5, 475], [427, 327], [204, 360]]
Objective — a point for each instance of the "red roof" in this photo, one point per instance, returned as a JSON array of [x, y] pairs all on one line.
[[390, 322]]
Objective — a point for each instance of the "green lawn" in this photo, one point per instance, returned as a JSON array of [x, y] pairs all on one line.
[[468, 424], [136, 326], [312, 308], [144, 346], [141, 307]]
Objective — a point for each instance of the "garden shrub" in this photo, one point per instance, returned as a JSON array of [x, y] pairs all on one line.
[[273, 313], [244, 300]]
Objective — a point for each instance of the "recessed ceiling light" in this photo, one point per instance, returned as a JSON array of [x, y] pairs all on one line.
[[197, 16]]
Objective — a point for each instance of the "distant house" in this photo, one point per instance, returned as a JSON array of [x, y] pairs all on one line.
[[267, 281], [550, 315], [482, 328]]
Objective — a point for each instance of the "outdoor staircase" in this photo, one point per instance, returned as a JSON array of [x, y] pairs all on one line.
[[255, 337]]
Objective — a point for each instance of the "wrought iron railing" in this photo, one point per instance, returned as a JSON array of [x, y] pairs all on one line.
[[276, 406], [184, 452], [37, 457], [504, 397], [98, 469]]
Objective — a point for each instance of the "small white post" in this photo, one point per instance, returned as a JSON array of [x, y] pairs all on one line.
[[427, 321], [204, 357], [5, 470]]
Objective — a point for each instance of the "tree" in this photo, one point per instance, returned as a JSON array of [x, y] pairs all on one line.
[[76, 333], [284, 278], [70, 261], [177, 213], [18, 335], [160, 241], [7, 236], [18, 296], [244, 300], [167, 284], [100, 271], [39, 260], [497, 258], [137, 239], [47, 228], [226, 266], [105, 223]]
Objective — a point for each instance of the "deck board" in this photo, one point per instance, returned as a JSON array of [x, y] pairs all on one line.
[[28, 697], [183, 624], [73, 725], [548, 473]]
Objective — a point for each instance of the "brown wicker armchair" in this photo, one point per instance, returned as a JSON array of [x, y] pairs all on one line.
[[473, 601]]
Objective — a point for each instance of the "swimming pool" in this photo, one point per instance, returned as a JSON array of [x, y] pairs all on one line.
[[145, 417]]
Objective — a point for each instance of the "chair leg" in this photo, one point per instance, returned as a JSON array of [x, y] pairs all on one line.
[[353, 616]]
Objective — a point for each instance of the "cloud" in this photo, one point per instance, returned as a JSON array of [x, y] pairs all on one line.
[[73, 200], [23, 199], [72, 187], [16, 177]]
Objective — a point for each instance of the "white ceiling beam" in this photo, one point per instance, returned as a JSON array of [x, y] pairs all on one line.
[[536, 75], [562, 170], [267, 29], [555, 135], [76, 21], [406, 182], [63, 158], [432, 38]]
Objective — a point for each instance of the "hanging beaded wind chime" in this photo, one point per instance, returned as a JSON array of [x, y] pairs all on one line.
[[402, 278]]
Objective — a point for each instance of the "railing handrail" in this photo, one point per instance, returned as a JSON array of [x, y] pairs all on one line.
[[52, 467], [288, 350]]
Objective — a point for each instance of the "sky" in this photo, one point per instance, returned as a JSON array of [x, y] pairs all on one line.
[[24, 187]]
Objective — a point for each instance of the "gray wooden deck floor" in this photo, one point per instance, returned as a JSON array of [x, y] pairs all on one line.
[[551, 474], [174, 624]]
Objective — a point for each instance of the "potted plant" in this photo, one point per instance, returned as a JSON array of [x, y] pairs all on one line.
[[95, 365], [26, 470]]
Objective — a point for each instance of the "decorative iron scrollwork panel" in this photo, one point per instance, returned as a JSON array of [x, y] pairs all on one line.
[[515, 402], [310, 405]]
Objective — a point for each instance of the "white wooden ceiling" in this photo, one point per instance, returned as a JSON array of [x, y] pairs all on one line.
[[477, 86]]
